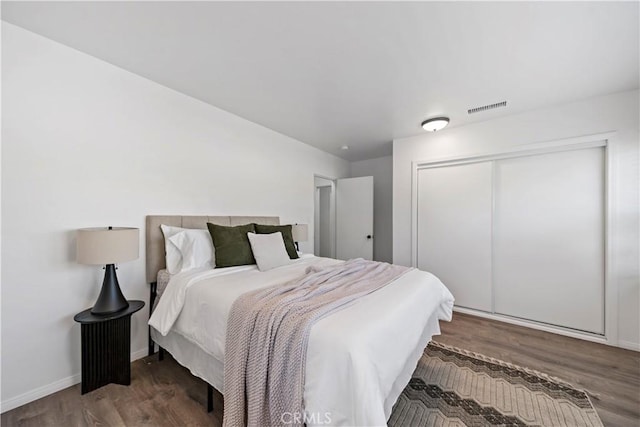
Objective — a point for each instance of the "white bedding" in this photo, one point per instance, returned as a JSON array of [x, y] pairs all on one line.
[[359, 359]]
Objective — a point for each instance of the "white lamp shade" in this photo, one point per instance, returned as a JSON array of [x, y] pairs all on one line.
[[104, 246], [300, 232]]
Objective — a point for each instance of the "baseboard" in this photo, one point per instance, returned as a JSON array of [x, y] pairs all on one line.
[[535, 325], [139, 354], [629, 345], [40, 392]]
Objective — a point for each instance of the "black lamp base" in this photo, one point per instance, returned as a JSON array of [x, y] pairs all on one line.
[[110, 299]]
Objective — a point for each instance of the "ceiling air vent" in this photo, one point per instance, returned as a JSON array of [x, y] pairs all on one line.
[[487, 107]]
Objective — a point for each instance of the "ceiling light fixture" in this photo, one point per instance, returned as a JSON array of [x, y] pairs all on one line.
[[435, 124], [344, 147]]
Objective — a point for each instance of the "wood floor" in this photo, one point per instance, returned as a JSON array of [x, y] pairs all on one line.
[[165, 394]]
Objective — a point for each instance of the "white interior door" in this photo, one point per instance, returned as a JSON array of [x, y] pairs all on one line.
[[354, 218], [549, 238], [454, 230]]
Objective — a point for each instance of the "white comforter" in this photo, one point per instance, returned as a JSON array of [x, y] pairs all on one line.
[[358, 360]]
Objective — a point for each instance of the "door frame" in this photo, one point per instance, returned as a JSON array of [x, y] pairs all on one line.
[[605, 140], [332, 213]]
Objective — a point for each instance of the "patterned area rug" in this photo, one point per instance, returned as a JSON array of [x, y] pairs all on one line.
[[453, 387]]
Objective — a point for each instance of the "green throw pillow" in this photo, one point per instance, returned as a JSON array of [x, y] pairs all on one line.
[[287, 236], [231, 244]]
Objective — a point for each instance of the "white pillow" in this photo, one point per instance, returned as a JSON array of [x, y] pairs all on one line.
[[196, 248], [268, 250], [172, 252]]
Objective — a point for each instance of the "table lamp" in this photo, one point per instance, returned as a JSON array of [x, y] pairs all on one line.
[[300, 233], [108, 246]]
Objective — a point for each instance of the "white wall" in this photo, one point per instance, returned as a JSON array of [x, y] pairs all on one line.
[[85, 144], [615, 112], [382, 171]]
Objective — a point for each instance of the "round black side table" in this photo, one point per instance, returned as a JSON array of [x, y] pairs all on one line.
[[106, 347]]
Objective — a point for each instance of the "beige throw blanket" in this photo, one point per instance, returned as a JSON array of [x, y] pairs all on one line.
[[267, 335]]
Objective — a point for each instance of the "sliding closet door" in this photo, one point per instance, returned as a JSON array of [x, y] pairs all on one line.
[[549, 238], [454, 230]]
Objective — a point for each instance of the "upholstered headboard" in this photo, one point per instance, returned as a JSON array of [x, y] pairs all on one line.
[[155, 238]]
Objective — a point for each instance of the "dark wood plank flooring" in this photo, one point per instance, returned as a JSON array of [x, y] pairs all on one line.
[[166, 394]]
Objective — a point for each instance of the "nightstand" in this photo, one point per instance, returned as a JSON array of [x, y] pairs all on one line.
[[106, 347]]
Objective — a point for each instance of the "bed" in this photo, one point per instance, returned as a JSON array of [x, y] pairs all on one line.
[[359, 359]]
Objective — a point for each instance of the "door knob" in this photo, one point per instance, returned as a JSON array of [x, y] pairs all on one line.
[[369, 236]]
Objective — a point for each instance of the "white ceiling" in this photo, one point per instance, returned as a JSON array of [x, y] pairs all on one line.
[[358, 73]]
